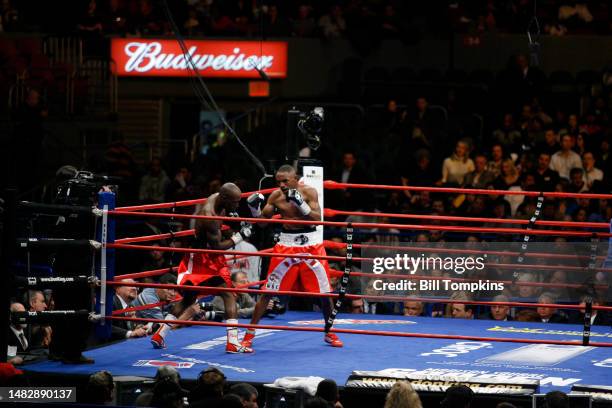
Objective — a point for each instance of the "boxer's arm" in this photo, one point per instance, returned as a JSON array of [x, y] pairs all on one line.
[[210, 232], [268, 210], [312, 199]]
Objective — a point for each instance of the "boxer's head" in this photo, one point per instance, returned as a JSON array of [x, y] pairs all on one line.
[[286, 178], [229, 196]]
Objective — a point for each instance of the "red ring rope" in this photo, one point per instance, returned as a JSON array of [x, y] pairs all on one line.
[[342, 245], [320, 257], [333, 185], [147, 238], [146, 274], [185, 203], [506, 282], [162, 303], [139, 308], [362, 332], [512, 231], [328, 212], [349, 296]]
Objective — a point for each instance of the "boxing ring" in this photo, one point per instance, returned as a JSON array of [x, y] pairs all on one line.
[[433, 353], [302, 354]]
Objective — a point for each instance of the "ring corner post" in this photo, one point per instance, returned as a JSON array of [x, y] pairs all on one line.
[[105, 267]]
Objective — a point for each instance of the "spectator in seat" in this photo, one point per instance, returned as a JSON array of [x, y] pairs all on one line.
[[304, 25], [598, 318], [402, 395], [154, 184], [247, 394], [275, 24], [356, 306], [422, 105], [316, 402], [352, 172], [529, 80], [497, 157], [591, 173], [527, 290], [17, 341], [414, 309], [508, 177], [36, 301], [508, 135], [498, 312], [557, 399], [550, 144], [168, 394], [100, 388], [527, 315], [480, 177], [148, 21], [328, 390], [123, 298], [244, 302], [577, 184], [90, 22], [561, 278], [209, 389], [164, 373], [455, 167], [580, 145], [457, 396], [332, 24], [546, 178], [565, 159], [155, 295], [181, 187], [38, 334], [462, 311], [549, 314], [419, 173]]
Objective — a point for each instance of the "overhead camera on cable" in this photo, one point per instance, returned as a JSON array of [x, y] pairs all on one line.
[[310, 125], [304, 129]]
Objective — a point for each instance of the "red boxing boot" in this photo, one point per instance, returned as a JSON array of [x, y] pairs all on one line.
[[333, 340]]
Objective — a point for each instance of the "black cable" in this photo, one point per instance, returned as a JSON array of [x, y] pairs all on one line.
[[534, 37], [202, 96]]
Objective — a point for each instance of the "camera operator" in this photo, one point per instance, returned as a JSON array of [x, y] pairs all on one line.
[[70, 335]]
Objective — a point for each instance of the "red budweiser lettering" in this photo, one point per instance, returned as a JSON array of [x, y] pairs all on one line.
[[144, 57]]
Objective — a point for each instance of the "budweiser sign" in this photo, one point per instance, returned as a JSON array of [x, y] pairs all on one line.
[[219, 59]]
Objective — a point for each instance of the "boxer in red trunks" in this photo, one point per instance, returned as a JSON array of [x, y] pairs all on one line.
[[293, 201], [204, 269]]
